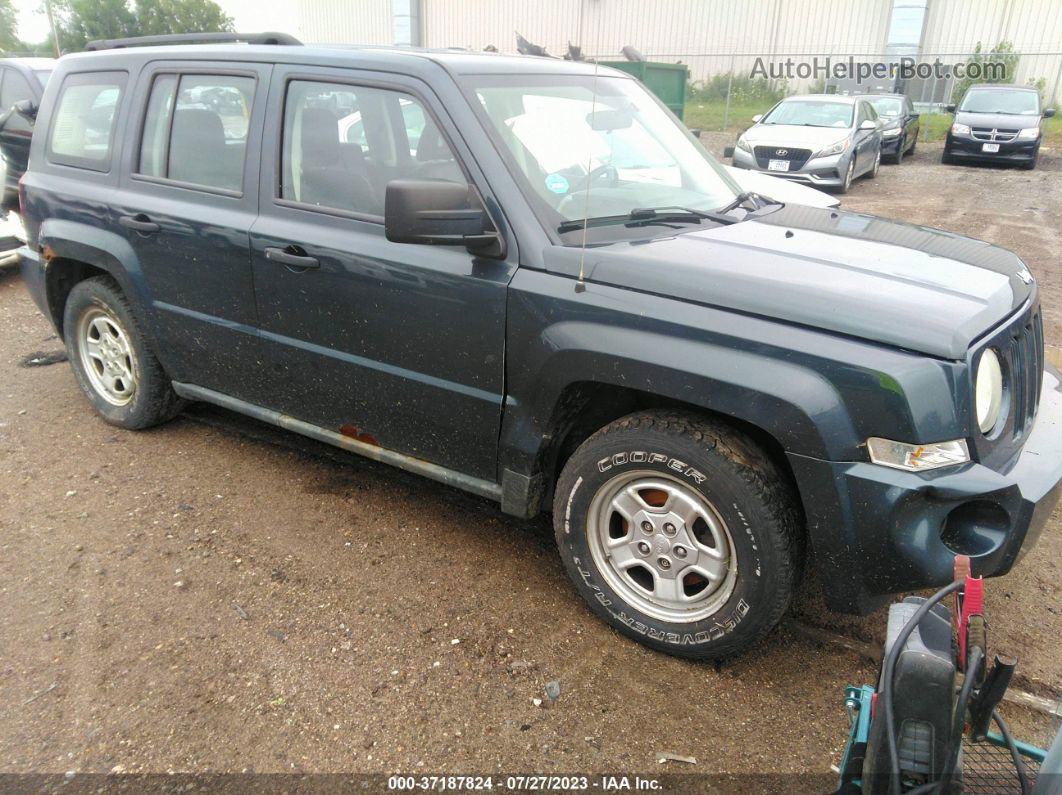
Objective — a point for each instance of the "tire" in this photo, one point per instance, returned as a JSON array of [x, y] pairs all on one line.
[[844, 187], [1030, 165], [877, 165], [694, 481], [914, 142], [946, 158], [898, 157], [111, 359]]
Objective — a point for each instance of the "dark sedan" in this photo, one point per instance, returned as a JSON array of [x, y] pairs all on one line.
[[998, 123], [900, 125]]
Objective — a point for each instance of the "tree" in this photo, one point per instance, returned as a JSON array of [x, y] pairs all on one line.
[[80, 21], [8, 27], [155, 17], [987, 67]]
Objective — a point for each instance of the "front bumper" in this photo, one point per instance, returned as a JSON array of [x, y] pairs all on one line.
[[823, 172], [970, 148], [890, 145], [876, 531]]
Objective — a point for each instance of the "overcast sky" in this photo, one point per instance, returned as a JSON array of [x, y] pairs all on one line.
[[249, 15]]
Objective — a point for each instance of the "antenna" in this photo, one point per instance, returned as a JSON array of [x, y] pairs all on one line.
[[580, 285]]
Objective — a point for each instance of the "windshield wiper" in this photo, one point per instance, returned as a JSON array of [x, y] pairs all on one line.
[[740, 199], [646, 216]]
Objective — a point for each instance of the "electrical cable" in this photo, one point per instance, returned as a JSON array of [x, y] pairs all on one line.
[[958, 721], [1019, 765], [889, 670]]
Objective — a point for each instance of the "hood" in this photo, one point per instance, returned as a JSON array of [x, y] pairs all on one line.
[[794, 135], [780, 189], [1001, 121], [903, 285]]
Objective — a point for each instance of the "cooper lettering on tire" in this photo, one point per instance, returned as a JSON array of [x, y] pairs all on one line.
[[680, 532]]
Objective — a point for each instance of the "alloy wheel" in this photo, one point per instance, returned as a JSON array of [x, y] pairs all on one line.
[[662, 546], [107, 357]]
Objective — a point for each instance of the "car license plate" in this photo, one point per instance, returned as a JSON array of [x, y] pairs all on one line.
[[777, 165], [989, 147]]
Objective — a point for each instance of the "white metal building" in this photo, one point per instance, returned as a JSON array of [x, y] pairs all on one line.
[[711, 36]]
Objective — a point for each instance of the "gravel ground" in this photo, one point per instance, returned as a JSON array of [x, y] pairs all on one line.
[[216, 595]]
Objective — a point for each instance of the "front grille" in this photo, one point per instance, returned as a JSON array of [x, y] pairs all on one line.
[[796, 157], [993, 134], [1027, 363], [1020, 343]]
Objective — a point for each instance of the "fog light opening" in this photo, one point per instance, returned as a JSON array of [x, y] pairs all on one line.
[[975, 528]]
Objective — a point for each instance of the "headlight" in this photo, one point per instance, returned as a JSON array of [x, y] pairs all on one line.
[[988, 390], [743, 145], [917, 457], [1029, 134], [835, 149], [892, 132], [960, 129]]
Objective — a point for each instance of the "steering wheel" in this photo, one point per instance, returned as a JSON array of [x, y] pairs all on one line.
[[605, 169]]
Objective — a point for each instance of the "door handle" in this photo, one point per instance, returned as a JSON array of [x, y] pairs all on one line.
[[139, 223], [286, 256]]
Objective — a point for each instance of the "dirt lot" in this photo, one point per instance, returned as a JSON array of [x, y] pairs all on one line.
[[216, 595]]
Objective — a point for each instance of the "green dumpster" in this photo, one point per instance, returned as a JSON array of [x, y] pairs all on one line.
[[666, 80]]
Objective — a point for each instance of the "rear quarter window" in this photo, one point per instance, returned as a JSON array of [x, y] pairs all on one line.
[[82, 131]]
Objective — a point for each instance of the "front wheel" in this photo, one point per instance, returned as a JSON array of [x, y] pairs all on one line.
[[848, 176], [877, 165], [680, 533]]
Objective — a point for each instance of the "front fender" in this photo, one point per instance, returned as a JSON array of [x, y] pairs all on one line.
[[817, 394]]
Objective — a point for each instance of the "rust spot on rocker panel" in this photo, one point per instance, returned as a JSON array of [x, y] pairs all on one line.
[[352, 432]]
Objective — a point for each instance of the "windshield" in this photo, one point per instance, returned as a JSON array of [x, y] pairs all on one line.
[[1002, 100], [811, 113], [584, 157], [888, 106]]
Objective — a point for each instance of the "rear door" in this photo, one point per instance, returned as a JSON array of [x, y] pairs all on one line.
[[188, 196], [16, 132], [397, 344]]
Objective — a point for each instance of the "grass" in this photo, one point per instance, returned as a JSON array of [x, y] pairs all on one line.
[[709, 116]]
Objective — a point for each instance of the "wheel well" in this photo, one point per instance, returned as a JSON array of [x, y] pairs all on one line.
[[585, 407], [60, 278]]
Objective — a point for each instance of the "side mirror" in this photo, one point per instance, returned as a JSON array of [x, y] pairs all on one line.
[[756, 118], [868, 124], [949, 108], [1049, 113], [27, 109], [439, 213]]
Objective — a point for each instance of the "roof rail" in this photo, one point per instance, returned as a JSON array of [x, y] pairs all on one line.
[[192, 38]]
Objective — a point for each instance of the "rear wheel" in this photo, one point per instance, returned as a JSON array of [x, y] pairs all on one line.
[[111, 359], [680, 533]]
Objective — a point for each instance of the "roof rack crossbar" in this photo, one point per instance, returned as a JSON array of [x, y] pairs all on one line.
[[192, 38]]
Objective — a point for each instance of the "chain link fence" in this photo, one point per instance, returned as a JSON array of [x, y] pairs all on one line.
[[726, 90]]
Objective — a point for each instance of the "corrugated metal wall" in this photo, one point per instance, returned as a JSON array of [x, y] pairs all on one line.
[[346, 21], [711, 36]]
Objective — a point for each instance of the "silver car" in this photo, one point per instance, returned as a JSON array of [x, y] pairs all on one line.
[[823, 140]]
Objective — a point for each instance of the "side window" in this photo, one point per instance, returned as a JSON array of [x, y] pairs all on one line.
[[871, 113], [195, 129], [82, 130], [342, 144], [14, 88]]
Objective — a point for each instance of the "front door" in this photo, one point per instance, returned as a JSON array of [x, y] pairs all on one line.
[[393, 344], [187, 199]]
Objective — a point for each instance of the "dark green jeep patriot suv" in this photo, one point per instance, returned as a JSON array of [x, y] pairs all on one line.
[[524, 278]]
